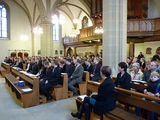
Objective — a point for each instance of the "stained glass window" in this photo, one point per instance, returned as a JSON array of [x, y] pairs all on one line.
[[3, 22]]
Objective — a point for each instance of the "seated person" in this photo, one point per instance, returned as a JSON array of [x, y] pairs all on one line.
[[153, 89], [33, 68], [123, 78], [76, 76], [89, 67], [51, 79], [20, 63], [68, 68], [136, 73], [101, 103], [43, 70], [152, 68], [95, 76]]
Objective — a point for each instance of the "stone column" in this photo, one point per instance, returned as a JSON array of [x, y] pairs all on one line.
[[115, 33], [33, 45], [131, 49], [46, 39]]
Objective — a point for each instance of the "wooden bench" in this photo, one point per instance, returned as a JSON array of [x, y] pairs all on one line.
[[83, 85], [127, 97], [24, 67], [61, 91], [4, 69], [30, 98]]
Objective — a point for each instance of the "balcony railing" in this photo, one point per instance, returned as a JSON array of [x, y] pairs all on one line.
[[135, 27], [68, 40], [143, 25], [89, 33]]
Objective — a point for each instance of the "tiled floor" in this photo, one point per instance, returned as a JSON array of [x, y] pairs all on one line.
[[57, 110]]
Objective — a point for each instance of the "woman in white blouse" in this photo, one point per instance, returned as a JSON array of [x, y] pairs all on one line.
[[136, 73]]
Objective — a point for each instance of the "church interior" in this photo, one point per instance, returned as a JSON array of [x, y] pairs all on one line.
[[62, 58]]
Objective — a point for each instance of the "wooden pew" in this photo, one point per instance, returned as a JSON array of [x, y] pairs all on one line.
[[139, 87], [127, 97], [83, 85], [30, 98], [4, 69], [61, 91], [24, 67]]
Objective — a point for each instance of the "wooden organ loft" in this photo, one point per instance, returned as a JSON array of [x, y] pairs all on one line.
[[140, 28]]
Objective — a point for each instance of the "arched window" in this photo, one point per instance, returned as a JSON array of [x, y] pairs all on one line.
[[4, 34]]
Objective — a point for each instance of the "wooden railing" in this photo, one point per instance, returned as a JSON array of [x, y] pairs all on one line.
[[143, 25], [133, 26], [89, 33], [68, 40]]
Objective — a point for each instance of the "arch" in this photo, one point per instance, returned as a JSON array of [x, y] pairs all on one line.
[[13, 54], [20, 54], [26, 54], [5, 14], [70, 52]]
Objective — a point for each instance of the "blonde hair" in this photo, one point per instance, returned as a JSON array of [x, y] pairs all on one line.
[[155, 74]]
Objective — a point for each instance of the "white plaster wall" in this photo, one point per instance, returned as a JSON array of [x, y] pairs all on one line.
[[19, 24], [67, 27], [141, 47], [153, 8], [37, 44]]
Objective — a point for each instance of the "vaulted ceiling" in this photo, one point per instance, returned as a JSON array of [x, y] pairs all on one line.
[[37, 9]]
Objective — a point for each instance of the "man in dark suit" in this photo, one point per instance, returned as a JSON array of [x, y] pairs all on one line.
[[68, 68], [153, 67], [33, 68], [89, 67], [76, 76], [95, 76], [51, 79]]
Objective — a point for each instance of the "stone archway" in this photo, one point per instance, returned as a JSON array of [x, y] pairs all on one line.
[[69, 52]]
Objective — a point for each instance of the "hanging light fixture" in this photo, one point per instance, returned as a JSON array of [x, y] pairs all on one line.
[[98, 30], [37, 30]]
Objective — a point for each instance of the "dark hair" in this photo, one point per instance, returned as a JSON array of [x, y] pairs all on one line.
[[155, 58], [123, 65], [55, 62], [46, 63], [69, 60], [79, 61], [106, 70]]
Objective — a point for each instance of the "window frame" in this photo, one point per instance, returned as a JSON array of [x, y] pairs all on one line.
[[8, 21], [55, 36]]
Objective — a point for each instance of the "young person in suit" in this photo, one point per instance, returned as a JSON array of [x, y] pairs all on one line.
[[76, 76], [95, 76], [101, 103], [52, 78]]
